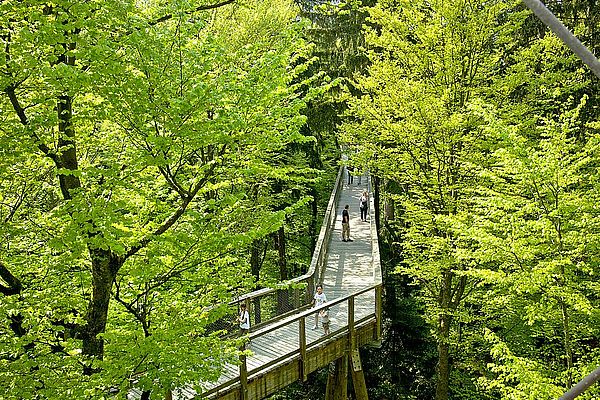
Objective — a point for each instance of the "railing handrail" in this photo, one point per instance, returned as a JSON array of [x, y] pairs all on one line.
[[297, 317], [314, 275], [375, 257], [311, 311], [319, 246]]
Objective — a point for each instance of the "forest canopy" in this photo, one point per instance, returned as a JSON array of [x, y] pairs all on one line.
[[161, 158], [141, 142]]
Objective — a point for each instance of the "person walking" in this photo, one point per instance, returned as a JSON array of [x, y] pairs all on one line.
[[364, 205], [319, 299], [346, 224], [244, 320], [350, 170]]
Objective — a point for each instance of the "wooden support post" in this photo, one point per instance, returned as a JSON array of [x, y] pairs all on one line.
[[337, 380], [247, 303], [358, 377], [378, 312], [302, 336], [243, 376]]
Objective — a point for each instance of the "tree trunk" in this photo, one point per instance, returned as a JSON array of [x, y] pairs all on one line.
[[67, 151], [443, 367], [567, 338], [376, 194], [255, 268], [105, 266], [390, 214], [444, 321], [282, 261], [282, 295], [313, 220]]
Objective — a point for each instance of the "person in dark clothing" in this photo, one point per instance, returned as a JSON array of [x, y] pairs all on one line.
[[346, 224], [364, 205], [350, 169]]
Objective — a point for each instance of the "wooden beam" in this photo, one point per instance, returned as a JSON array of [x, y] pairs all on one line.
[[378, 312], [337, 380], [351, 333], [243, 376], [358, 377]]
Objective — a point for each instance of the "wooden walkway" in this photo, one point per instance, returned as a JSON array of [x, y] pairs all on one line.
[[286, 348]]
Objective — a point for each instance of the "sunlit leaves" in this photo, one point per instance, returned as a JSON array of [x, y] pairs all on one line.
[[172, 119]]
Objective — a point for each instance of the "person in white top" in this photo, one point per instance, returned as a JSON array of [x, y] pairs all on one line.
[[318, 300], [244, 320]]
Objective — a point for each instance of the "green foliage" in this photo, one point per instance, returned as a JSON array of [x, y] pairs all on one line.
[[485, 141], [175, 116]]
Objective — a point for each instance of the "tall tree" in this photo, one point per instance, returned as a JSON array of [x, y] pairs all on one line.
[[541, 217], [430, 62], [134, 125]]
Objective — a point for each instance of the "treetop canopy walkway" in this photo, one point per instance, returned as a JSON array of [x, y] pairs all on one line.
[[284, 345]]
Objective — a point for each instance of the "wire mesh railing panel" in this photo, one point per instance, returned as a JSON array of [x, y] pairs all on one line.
[[364, 305], [226, 325]]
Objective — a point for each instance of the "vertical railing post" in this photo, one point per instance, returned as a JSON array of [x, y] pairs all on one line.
[[378, 305], [247, 303], [302, 340], [243, 376], [351, 333]]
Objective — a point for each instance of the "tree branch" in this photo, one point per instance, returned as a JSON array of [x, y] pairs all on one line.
[[199, 8], [14, 207], [14, 285], [10, 91], [180, 210]]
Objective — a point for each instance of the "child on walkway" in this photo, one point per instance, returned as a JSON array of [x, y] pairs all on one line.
[[244, 320], [318, 300]]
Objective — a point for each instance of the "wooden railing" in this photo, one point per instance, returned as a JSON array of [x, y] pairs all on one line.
[[353, 320], [300, 291]]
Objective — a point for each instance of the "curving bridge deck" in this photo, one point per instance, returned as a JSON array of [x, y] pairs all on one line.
[[284, 346]]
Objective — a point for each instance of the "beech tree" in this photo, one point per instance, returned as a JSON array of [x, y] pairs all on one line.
[[540, 217], [541, 227], [414, 117], [479, 118], [127, 129]]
